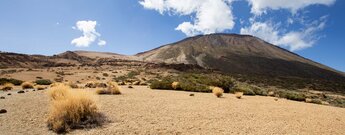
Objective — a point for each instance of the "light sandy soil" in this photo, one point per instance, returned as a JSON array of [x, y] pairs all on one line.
[[145, 111]]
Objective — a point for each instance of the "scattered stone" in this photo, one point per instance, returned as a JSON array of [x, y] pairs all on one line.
[[2, 97], [21, 91], [191, 95], [3, 111], [130, 86], [9, 94], [33, 90], [276, 99]]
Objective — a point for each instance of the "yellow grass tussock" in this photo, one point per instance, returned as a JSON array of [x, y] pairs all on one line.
[[238, 95], [7, 86], [27, 85], [175, 85], [113, 89], [72, 109], [218, 91]]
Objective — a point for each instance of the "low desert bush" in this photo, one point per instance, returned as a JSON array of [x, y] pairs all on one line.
[[246, 89], [175, 85], [27, 85], [316, 101], [218, 91], [7, 86], [291, 95], [165, 83], [72, 110], [43, 82], [238, 95], [92, 84], [73, 85], [13, 81], [105, 74], [113, 89]]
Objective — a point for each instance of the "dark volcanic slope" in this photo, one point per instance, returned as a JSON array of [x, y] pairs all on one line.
[[240, 54]]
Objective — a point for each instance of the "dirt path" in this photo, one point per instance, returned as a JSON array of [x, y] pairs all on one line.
[[144, 111]]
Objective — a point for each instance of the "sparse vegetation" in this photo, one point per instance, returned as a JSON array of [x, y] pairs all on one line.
[[11, 80], [72, 110], [105, 74], [43, 82], [27, 85], [218, 91], [238, 95], [113, 89], [175, 85], [73, 85], [244, 88], [92, 84], [194, 82], [7, 86], [297, 96]]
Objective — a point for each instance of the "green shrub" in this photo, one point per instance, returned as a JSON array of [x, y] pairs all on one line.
[[11, 80], [43, 82], [246, 89], [316, 101], [259, 91], [162, 84], [296, 96], [188, 86]]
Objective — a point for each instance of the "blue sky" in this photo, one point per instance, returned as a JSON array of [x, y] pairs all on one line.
[[313, 30]]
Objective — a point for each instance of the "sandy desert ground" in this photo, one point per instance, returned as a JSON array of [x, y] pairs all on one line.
[[145, 111]]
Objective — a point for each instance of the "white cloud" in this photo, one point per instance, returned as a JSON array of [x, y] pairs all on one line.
[[211, 16], [101, 43], [293, 40], [261, 6], [89, 34]]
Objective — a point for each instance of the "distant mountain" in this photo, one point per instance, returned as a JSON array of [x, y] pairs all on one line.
[[241, 54]]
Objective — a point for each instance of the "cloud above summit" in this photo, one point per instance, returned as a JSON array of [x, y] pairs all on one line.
[[215, 16], [209, 16]]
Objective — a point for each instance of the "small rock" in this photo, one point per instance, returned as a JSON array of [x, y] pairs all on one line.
[[33, 90], [130, 86], [9, 94], [276, 99], [2, 97], [191, 95], [3, 111], [21, 91]]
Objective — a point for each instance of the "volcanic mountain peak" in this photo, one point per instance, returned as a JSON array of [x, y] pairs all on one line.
[[239, 54]]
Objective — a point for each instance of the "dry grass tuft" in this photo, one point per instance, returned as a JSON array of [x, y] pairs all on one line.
[[7, 86], [239, 95], [55, 84], [218, 91], [27, 85], [73, 85], [59, 92], [113, 89], [72, 110], [175, 85]]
